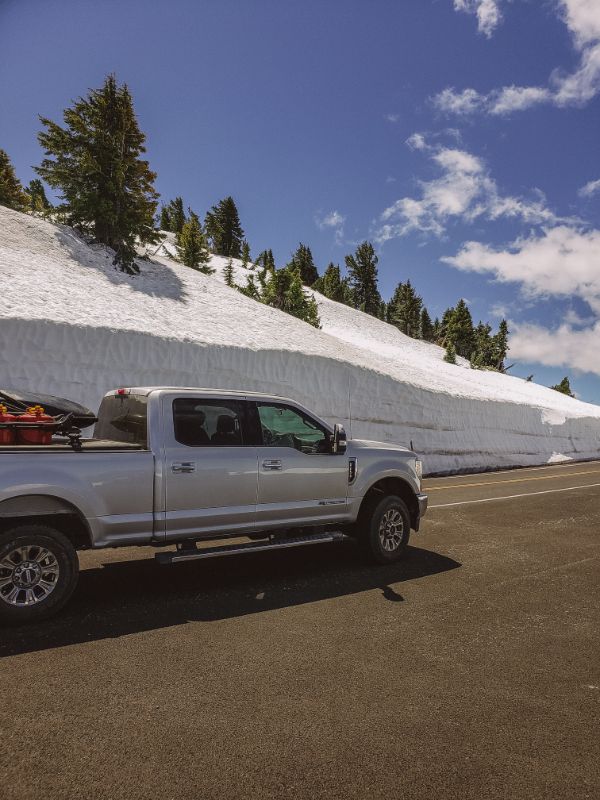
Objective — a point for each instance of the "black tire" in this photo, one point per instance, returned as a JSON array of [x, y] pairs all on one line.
[[385, 530], [34, 586]]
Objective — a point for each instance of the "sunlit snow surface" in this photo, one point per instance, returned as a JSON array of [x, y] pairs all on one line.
[[74, 326]]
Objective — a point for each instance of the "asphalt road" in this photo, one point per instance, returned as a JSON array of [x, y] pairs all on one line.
[[471, 670]]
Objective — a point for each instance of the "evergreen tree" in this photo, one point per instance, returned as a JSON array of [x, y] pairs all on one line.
[[450, 354], [484, 350], [362, 272], [460, 330], [500, 345], [443, 326], [404, 310], [245, 254], [284, 290], [250, 289], [427, 327], [95, 163], [302, 260], [564, 387], [228, 273], [191, 246], [11, 191], [333, 286], [437, 331], [223, 228], [266, 260], [165, 219], [38, 202], [177, 217]]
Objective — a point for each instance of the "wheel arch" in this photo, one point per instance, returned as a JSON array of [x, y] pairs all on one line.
[[48, 510], [392, 485]]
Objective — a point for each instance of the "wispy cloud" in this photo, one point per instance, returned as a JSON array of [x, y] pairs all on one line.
[[333, 220], [487, 13], [561, 261], [463, 190], [560, 347], [392, 117], [582, 18], [591, 188]]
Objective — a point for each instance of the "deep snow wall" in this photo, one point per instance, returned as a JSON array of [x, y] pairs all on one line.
[[451, 432]]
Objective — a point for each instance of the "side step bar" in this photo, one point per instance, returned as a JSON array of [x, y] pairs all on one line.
[[192, 553]]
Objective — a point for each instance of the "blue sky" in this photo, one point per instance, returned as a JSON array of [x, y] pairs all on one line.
[[460, 136]]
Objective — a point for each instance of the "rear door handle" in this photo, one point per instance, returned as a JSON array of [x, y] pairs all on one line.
[[272, 464], [183, 466]]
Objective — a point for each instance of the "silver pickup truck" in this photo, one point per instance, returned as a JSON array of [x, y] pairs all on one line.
[[169, 466]]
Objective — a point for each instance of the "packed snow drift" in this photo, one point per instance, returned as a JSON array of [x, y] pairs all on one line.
[[74, 326]]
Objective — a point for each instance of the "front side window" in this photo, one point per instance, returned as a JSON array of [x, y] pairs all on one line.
[[283, 426], [208, 423]]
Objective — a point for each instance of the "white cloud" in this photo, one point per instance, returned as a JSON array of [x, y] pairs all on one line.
[[417, 142], [590, 189], [334, 221], [452, 102], [392, 117], [561, 347], [487, 12], [582, 18], [561, 261], [464, 190]]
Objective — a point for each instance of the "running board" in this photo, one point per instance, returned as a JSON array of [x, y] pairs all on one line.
[[252, 547]]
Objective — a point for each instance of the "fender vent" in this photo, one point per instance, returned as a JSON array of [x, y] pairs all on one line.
[[352, 470]]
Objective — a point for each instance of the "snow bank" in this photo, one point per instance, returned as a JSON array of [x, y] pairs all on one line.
[[72, 325]]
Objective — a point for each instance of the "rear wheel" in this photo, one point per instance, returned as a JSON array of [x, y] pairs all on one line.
[[385, 530], [38, 573]]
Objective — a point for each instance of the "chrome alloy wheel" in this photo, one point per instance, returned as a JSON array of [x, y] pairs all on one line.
[[391, 530], [28, 574]]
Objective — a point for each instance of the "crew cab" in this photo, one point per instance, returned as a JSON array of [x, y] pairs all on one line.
[[177, 467]]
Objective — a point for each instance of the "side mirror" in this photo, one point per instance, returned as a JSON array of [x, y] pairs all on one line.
[[338, 441]]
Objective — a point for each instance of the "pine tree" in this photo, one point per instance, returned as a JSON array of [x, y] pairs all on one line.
[[450, 354], [251, 289], [266, 260], [500, 346], [228, 273], [165, 219], [332, 285], [483, 354], [12, 193], [362, 272], [302, 260], [460, 330], [191, 246], [223, 228], [284, 290], [404, 310], [564, 387], [38, 202], [245, 254], [95, 163], [437, 331], [177, 218], [427, 327]]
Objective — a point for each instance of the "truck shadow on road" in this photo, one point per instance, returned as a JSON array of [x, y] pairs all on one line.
[[124, 597]]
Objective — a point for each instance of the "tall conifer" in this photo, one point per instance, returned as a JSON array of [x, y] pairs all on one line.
[[11, 191], [362, 272], [95, 162]]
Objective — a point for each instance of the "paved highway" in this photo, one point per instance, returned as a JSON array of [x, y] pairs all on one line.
[[471, 670]]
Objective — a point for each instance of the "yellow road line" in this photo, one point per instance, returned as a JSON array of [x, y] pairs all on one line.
[[510, 480], [513, 496]]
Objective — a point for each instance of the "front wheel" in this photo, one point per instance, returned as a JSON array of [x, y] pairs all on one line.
[[38, 573], [385, 530]]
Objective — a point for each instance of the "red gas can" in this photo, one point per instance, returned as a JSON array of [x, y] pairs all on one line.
[[7, 435], [40, 434]]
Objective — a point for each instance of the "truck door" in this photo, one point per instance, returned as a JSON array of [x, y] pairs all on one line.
[[299, 480], [210, 467]]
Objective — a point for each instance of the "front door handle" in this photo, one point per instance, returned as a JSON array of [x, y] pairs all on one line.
[[183, 466], [272, 464]]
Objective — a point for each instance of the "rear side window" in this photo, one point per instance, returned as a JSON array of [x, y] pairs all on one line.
[[208, 423], [123, 418]]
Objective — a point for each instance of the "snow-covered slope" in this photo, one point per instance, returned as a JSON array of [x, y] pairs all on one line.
[[72, 325]]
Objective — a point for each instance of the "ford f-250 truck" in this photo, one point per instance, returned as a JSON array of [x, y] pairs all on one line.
[[169, 466]]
